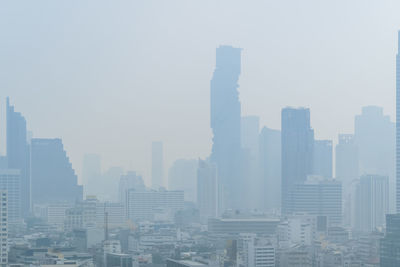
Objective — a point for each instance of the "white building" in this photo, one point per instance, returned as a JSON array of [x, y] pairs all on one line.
[[141, 205], [3, 228], [10, 181], [56, 214]]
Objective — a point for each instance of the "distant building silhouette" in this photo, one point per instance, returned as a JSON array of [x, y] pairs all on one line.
[[207, 189], [91, 174], [18, 154], [157, 165], [372, 202], [253, 194], [182, 176], [270, 168], [374, 135], [323, 158], [297, 151], [318, 196], [398, 125], [225, 124], [347, 171], [53, 178], [128, 181]]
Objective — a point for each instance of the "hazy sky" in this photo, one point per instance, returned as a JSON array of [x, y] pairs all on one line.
[[109, 77]]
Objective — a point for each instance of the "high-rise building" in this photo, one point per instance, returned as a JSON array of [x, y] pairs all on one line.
[[3, 228], [10, 181], [131, 180], [157, 165], [347, 171], [253, 190], [374, 135], [323, 158], [91, 174], [297, 151], [347, 164], [398, 125], [318, 196], [142, 205], [225, 124], [390, 244], [182, 176], [18, 154], [372, 202], [270, 168], [53, 178], [207, 189]]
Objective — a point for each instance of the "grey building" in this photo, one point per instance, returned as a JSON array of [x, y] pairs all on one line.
[[157, 165], [372, 202], [270, 167], [53, 178], [297, 151], [318, 196], [207, 189], [18, 154], [374, 135], [225, 124], [390, 244], [10, 181], [323, 158]]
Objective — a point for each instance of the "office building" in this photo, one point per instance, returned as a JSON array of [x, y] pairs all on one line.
[[157, 165], [143, 205], [225, 124], [297, 151], [3, 228], [372, 202], [390, 244], [253, 190], [260, 253], [18, 153], [10, 181], [91, 174], [318, 196], [347, 162], [374, 134], [56, 214], [183, 263], [130, 180], [207, 189], [182, 176], [398, 125], [266, 226], [270, 168], [323, 158], [116, 215], [53, 178]]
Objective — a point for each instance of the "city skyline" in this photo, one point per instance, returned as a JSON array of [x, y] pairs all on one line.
[[262, 90]]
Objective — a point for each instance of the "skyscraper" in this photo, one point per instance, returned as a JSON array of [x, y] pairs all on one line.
[[207, 189], [347, 159], [250, 129], [225, 123], [270, 167], [91, 174], [372, 202], [323, 158], [374, 135], [53, 178], [18, 154], [318, 196], [297, 151], [398, 125], [182, 176], [157, 165], [390, 244]]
